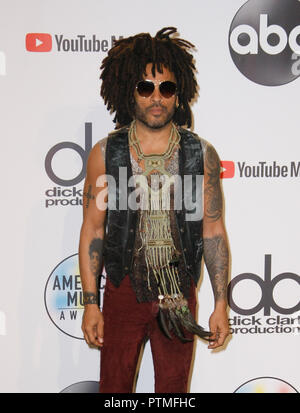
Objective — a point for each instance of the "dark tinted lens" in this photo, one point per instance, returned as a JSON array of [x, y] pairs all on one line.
[[145, 89], [167, 89]]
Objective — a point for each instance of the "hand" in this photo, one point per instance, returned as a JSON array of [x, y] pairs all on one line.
[[218, 324], [93, 325]]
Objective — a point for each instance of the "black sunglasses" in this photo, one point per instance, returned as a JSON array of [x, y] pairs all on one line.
[[145, 88]]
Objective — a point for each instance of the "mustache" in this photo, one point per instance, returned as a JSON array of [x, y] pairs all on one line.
[[156, 105]]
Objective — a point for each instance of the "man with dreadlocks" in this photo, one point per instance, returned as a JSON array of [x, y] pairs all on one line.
[[154, 205]]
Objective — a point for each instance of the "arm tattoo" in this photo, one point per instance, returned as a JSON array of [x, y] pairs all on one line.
[[216, 261], [212, 189], [95, 264], [89, 196], [95, 253], [89, 298]]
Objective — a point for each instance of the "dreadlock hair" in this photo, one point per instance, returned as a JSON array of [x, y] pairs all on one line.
[[125, 65]]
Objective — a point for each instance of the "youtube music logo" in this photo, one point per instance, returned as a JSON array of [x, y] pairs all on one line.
[[45, 42], [227, 169], [38, 42]]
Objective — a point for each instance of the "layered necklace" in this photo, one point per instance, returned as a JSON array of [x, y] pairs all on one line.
[[161, 255], [155, 227], [153, 160]]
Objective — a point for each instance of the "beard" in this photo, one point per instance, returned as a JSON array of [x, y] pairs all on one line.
[[144, 116]]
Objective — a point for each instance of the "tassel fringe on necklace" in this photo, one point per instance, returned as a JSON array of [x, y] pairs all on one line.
[[161, 255]]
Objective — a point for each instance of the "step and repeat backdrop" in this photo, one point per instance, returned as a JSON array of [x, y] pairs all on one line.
[[247, 55]]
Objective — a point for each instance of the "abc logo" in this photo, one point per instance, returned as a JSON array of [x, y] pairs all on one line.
[[264, 41]]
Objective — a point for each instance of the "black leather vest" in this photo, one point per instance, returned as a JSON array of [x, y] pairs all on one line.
[[121, 222]]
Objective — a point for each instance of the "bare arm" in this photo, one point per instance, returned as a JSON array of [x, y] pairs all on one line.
[[216, 254], [91, 246]]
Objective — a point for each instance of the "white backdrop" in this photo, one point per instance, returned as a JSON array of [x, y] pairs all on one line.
[[51, 97]]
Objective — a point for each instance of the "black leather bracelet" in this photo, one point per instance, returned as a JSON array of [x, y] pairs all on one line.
[[89, 298]]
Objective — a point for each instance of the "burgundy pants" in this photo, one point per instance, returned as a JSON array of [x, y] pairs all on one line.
[[127, 324]]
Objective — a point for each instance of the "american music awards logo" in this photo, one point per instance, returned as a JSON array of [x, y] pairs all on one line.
[[266, 385], [64, 298]]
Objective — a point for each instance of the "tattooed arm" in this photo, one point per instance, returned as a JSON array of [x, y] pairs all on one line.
[[90, 247], [216, 254]]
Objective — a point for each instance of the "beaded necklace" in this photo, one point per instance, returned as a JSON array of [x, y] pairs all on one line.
[[155, 221], [161, 254]]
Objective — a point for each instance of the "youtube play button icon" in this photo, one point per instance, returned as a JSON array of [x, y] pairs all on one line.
[[227, 169], [38, 42]]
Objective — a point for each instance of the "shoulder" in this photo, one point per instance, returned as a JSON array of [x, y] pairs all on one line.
[[112, 135], [96, 159], [102, 145], [209, 151], [118, 133]]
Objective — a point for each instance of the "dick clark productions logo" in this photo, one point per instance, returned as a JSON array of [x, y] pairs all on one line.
[[285, 320], [264, 41]]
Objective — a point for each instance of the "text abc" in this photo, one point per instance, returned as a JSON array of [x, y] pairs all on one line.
[[262, 38]]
